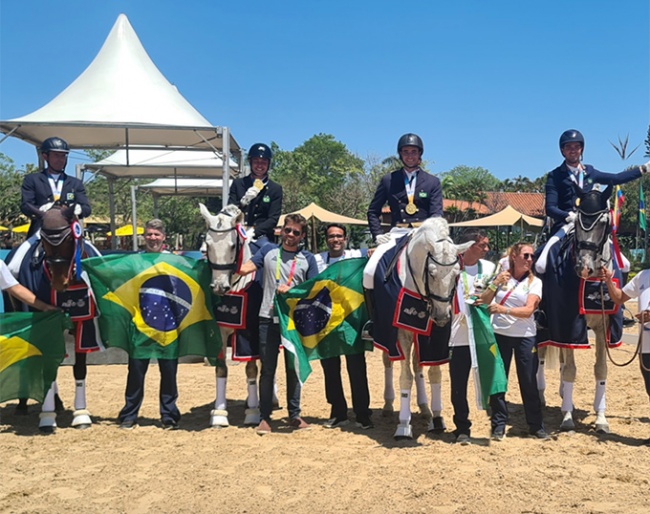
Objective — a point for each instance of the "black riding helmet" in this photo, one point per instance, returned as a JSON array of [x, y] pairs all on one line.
[[55, 144], [410, 140], [261, 151], [571, 136]]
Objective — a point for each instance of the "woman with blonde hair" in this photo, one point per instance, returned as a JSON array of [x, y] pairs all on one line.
[[512, 298]]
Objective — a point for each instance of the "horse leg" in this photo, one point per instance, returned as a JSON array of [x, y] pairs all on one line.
[[252, 411], [81, 415], [389, 388], [437, 422], [47, 418], [219, 414], [568, 379], [540, 377], [404, 429], [58, 403], [421, 389], [600, 372]]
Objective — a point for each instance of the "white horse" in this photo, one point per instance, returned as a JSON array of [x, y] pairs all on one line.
[[227, 249], [429, 266], [592, 251]]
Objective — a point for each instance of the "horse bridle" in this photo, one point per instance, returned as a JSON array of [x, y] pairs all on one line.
[[56, 237], [429, 297], [233, 265], [588, 227]]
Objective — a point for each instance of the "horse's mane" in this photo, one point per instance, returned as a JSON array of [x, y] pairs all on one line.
[[432, 231]]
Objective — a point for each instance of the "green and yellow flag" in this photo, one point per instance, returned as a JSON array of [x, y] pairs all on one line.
[[323, 316], [31, 349], [154, 304], [491, 372]]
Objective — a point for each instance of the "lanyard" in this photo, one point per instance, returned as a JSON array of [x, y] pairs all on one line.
[[409, 185], [579, 173], [509, 292], [56, 185], [278, 265], [465, 282]]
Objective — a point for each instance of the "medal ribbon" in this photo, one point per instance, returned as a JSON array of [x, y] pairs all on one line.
[[465, 282], [56, 185], [409, 186], [278, 265]]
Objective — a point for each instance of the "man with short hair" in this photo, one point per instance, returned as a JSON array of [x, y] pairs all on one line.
[[284, 266], [471, 282], [154, 238], [40, 190], [336, 240], [258, 197]]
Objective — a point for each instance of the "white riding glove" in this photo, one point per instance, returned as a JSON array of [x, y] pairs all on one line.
[[571, 217], [249, 195], [77, 209], [645, 168], [46, 207], [383, 239], [250, 234]]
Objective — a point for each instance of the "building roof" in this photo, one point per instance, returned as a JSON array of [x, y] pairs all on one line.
[[530, 204]]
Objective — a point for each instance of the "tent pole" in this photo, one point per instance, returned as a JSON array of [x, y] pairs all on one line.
[[155, 205], [111, 209], [134, 221], [226, 168]]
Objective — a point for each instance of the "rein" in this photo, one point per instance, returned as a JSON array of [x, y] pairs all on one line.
[[597, 248]]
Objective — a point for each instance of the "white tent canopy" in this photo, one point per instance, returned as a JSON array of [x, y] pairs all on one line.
[[156, 163], [121, 100], [185, 187]]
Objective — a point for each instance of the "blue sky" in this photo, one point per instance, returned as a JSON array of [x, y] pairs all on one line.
[[484, 83]]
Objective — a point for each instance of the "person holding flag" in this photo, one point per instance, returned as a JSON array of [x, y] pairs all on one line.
[[512, 298], [471, 284], [336, 240], [284, 266]]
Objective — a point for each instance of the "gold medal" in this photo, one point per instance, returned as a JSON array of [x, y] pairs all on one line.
[[577, 202], [258, 184], [411, 209]]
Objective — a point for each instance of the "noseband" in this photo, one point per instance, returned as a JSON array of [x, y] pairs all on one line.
[[428, 296], [55, 237], [232, 266]]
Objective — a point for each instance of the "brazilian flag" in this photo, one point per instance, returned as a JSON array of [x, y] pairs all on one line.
[[323, 316], [154, 304], [31, 349], [492, 376]]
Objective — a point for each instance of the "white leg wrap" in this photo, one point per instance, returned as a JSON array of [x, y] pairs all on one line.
[[48, 402], [253, 401], [436, 399], [253, 417], [599, 400], [405, 407], [561, 382], [219, 418], [79, 395], [421, 388], [567, 397], [220, 402], [55, 386]]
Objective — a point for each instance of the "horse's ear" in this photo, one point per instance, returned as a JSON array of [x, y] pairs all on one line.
[[464, 246], [205, 213], [68, 213]]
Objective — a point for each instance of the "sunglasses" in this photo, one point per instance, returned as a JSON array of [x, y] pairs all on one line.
[[335, 236], [527, 255], [292, 231]]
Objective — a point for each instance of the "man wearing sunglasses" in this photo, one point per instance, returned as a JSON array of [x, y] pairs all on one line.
[[336, 239], [258, 197], [284, 266]]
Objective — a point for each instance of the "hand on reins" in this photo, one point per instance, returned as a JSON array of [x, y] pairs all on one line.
[[605, 274]]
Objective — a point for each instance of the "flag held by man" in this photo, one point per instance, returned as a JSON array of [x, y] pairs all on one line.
[[323, 317], [154, 305], [31, 349]]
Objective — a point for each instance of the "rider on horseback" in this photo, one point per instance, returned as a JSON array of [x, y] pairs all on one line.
[[413, 196]]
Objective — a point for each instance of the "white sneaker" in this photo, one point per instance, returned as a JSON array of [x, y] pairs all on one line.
[[336, 422]]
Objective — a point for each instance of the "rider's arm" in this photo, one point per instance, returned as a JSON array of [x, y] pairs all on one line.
[[81, 199], [552, 200], [267, 225], [28, 198], [435, 201]]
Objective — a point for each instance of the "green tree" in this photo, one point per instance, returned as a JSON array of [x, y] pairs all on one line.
[[11, 180]]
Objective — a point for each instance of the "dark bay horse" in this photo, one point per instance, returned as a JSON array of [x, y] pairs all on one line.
[[51, 269]]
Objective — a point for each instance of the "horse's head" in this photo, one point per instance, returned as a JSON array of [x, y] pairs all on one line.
[[432, 266], [59, 233], [592, 228], [225, 243]]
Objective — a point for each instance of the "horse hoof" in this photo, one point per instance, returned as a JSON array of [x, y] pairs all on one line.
[[403, 432], [253, 417], [81, 419], [567, 423], [387, 410], [602, 428], [47, 430], [47, 422], [219, 418], [437, 425]]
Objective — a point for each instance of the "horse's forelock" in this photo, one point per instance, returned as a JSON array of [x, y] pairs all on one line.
[[434, 229], [55, 219]]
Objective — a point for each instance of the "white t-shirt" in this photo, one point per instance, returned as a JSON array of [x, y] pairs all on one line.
[[472, 280], [639, 287], [323, 259], [7, 280], [516, 295]]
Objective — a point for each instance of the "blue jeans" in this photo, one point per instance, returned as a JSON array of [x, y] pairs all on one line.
[[269, 349]]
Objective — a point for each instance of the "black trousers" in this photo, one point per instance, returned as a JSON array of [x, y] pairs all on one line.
[[526, 362], [135, 389], [460, 366], [356, 365]]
